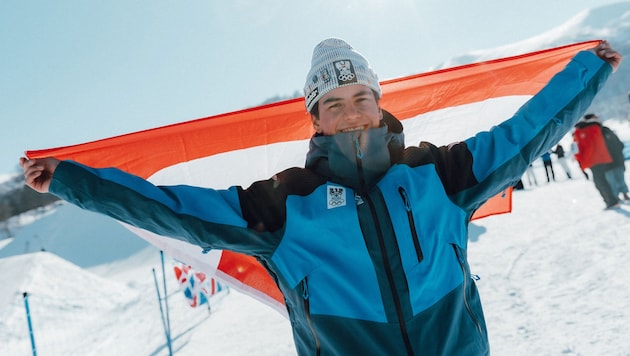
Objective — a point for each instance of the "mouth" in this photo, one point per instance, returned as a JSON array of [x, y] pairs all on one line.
[[353, 129]]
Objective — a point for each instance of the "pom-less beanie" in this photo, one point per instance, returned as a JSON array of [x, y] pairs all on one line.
[[335, 64]]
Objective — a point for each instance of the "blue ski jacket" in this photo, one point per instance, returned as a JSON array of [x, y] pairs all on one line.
[[368, 242]]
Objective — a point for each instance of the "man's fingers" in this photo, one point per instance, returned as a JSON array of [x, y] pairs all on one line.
[[31, 175], [25, 162], [605, 51], [38, 172]]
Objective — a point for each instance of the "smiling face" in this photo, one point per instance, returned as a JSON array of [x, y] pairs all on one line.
[[347, 108]]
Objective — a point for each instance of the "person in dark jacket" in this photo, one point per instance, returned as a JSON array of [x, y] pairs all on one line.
[[594, 155], [548, 165], [559, 152], [368, 242], [617, 168]]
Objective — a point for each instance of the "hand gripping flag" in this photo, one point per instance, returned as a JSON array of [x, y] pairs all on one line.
[[241, 147]]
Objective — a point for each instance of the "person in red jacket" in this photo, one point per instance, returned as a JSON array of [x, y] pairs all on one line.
[[593, 154]]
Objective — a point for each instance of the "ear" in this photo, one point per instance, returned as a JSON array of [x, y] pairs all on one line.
[[315, 121]]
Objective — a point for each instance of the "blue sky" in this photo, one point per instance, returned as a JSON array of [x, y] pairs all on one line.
[[74, 71]]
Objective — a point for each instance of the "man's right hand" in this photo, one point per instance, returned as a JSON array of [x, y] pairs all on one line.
[[38, 172]]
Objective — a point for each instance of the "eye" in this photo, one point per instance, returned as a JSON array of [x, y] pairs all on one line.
[[362, 100]]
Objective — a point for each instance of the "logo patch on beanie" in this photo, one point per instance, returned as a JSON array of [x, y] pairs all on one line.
[[311, 96], [324, 76], [344, 71]]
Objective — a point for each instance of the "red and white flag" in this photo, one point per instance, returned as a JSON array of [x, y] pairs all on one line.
[[241, 147]]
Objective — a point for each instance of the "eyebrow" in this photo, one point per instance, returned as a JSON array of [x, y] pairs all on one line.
[[333, 99]]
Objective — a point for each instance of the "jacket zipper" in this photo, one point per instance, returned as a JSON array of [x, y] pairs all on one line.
[[381, 241], [307, 311], [412, 223], [465, 286]]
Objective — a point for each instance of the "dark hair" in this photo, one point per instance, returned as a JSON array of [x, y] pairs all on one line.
[[315, 110], [589, 116]]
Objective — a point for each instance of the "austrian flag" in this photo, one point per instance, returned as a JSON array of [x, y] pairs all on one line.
[[440, 107]]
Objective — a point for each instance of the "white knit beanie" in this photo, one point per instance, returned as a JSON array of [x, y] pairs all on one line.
[[335, 63]]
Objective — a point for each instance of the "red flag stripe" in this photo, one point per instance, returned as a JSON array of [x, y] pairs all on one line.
[[287, 120]]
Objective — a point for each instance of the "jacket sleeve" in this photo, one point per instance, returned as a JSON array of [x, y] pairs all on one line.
[[501, 155], [205, 217]]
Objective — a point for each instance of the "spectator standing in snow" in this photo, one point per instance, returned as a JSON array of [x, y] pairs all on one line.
[[368, 242], [617, 168], [559, 151], [593, 154], [531, 176], [574, 151], [546, 158]]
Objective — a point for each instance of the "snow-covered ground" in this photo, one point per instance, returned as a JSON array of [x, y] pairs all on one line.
[[552, 272], [106, 301]]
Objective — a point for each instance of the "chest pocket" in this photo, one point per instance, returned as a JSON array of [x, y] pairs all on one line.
[[324, 243], [426, 224]]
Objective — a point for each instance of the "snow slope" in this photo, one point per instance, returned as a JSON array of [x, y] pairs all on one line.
[[552, 283], [112, 307]]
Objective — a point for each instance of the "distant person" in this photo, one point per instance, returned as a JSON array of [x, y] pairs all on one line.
[[617, 168], [559, 152], [531, 176], [593, 154], [574, 151], [367, 242], [546, 158]]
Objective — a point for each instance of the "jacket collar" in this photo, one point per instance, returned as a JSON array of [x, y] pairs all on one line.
[[357, 159]]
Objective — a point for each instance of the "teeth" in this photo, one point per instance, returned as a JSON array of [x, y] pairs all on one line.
[[352, 129]]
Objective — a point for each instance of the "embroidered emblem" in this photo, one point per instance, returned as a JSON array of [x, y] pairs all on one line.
[[336, 196], [344, 72], [324, 76]]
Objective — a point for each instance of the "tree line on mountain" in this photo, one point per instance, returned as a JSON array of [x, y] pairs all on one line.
[[18, 200]]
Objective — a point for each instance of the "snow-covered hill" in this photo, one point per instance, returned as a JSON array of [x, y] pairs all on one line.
[[610, 22], [104, 302]]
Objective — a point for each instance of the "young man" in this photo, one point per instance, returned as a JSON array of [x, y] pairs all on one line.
[[368, 242]]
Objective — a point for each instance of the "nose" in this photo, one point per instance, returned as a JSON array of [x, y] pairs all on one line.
[[351, 113]]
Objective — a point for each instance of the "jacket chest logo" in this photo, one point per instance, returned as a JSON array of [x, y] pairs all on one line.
[[335, 196]]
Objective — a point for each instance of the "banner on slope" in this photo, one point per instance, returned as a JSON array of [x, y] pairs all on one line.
[[196, 286], [441, 107]]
